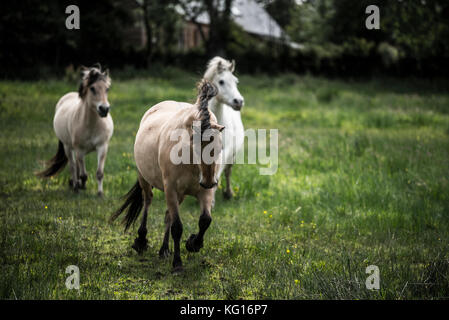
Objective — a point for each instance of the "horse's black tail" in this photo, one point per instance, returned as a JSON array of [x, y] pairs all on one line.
[[134, 203], [55, 164]]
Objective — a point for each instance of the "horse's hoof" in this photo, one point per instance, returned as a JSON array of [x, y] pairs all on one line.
[[100, 194], [177, 270], [74, 186], [191, 244], [228, 194], [177, 265], [164, 253], [83, 182], [140, 245]]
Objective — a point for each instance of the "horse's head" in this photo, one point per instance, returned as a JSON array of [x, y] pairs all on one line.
[[94, 87], [219, 72], [211, 147], [211, 144]]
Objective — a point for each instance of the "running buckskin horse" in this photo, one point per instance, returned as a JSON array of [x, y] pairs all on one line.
[[153, 153]]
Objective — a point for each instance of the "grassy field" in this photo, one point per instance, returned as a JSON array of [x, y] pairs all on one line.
[[362, 180]]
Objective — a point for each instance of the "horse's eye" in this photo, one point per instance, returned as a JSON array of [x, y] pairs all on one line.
[[92, 89], [107, 89], [221, 82]]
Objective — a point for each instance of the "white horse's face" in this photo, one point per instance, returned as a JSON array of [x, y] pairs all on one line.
[[228, 93]]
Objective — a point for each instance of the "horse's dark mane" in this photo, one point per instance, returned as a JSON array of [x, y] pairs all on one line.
[[206, 91], [93, 75]]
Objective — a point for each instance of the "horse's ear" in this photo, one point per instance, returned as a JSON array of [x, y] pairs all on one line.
[[232, 68], [82, 89], [83, 71], [217, 126], [97, 65], [220, 67], [106, 72], [90, 76]]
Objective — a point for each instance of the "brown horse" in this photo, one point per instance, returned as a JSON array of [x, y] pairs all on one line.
[[82, 124], [154, 156]]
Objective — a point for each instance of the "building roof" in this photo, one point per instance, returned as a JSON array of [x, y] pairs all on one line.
[[249, 15]]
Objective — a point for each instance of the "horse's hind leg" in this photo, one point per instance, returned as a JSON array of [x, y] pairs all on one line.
[[74, 183], [195, 241], [164, 252], [176, 225], [141, 242], [228, 192]]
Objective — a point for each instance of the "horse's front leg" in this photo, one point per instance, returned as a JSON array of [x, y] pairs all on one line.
[[176, 225], [195, 241], [101, 159]]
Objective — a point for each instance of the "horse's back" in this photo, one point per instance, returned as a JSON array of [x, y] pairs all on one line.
[[63, 111], [162, 110], [146, 146], [67, 100]]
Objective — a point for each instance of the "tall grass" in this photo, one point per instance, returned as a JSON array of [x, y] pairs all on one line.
[[362, 180]]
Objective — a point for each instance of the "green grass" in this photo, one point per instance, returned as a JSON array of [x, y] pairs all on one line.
[[362, 179]]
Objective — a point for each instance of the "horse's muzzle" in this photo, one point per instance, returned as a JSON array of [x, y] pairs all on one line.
[[237, 104], [103, 111], [208, 186]]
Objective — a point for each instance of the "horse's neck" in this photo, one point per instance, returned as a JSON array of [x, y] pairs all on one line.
[[217, 109], [87, 115]]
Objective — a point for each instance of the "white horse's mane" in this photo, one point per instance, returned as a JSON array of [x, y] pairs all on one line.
[[216, 65]]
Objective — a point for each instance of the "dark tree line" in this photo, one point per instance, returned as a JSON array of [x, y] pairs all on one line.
[[331, 34], [414, 29], [34, 36]]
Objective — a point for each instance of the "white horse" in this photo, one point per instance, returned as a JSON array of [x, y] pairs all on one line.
[[226, 106]]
